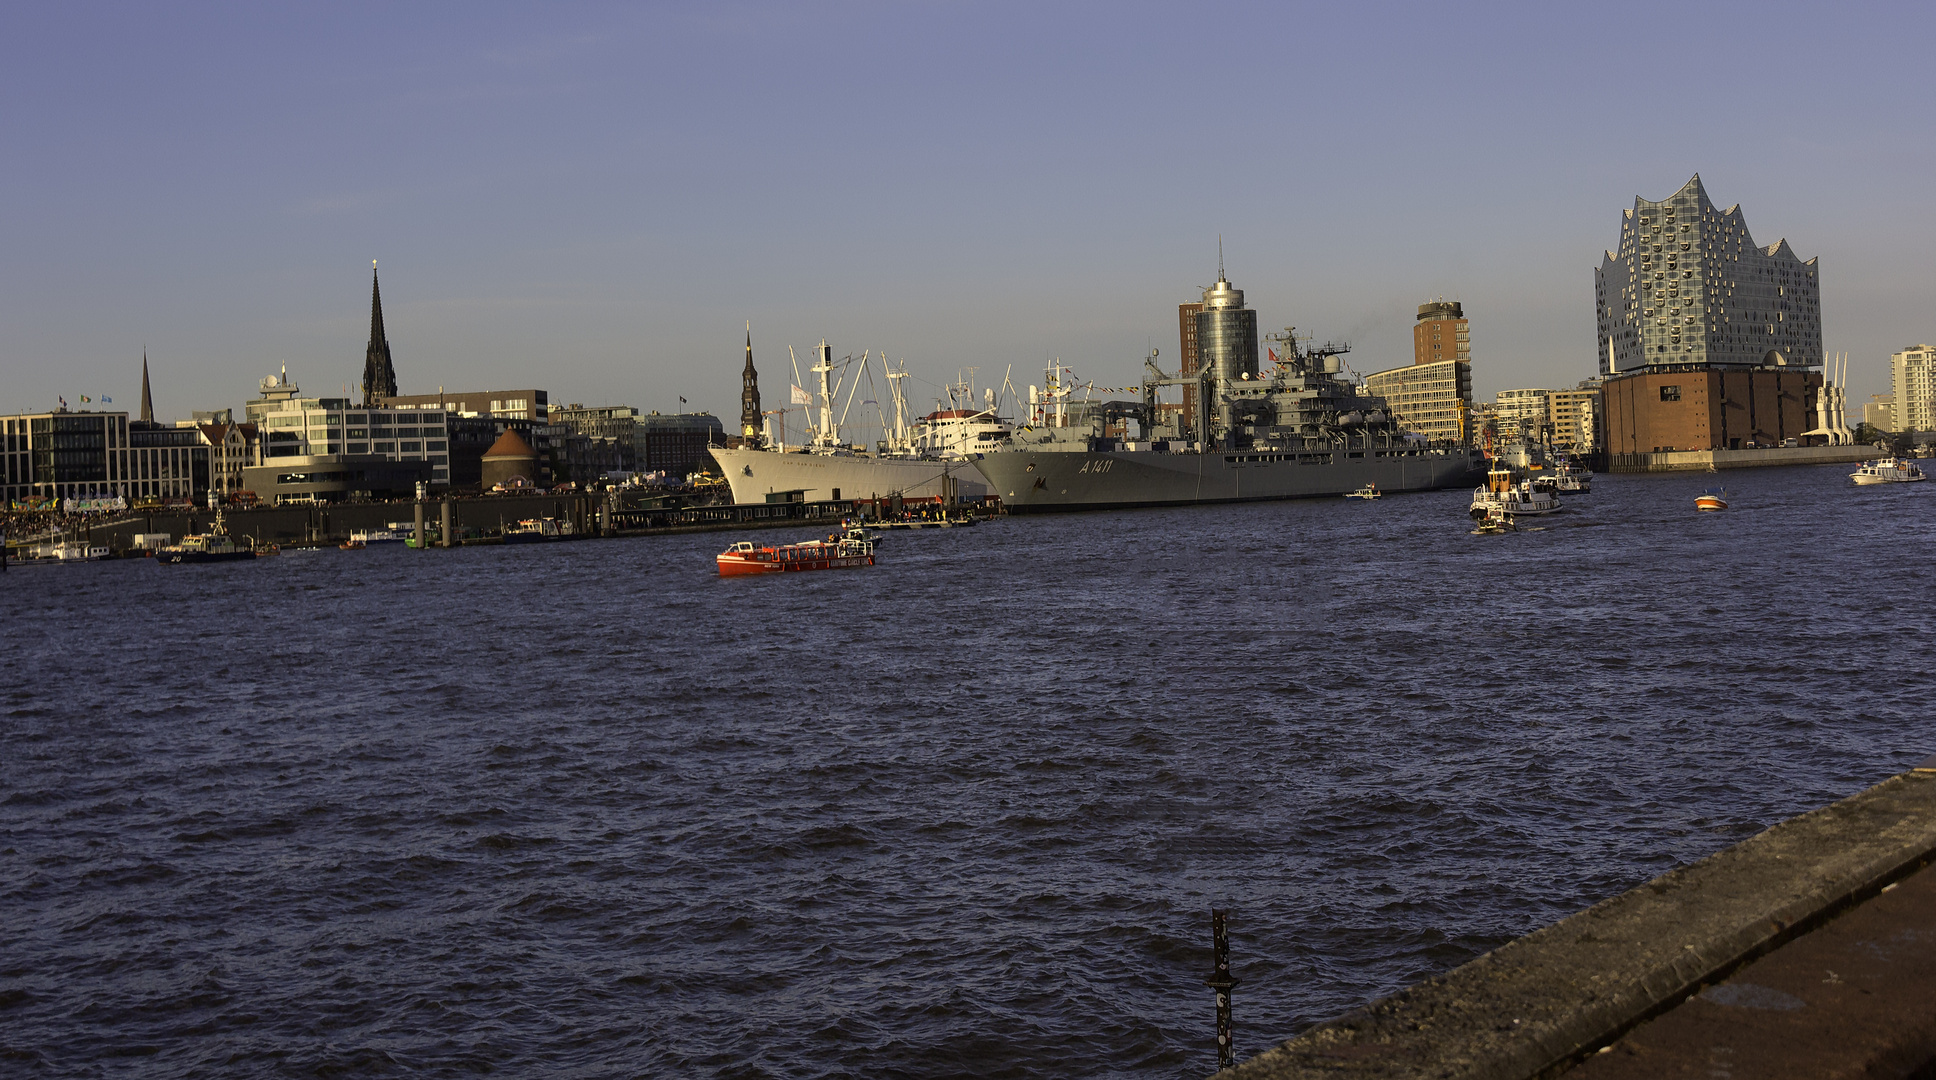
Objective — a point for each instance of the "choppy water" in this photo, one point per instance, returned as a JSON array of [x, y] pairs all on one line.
[[587, 810]]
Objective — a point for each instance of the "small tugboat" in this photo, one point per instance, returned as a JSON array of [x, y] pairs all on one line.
[[1712, 499], [1889, 470], [1368, 493], [212, 546], [1493, 522], [835, 554], [1513, 499]]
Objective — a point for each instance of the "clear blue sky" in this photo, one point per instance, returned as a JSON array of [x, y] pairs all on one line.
[[595, 199]]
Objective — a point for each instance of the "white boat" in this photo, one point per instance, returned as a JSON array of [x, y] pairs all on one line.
[[1368, 493], [80, 551], [1500, 494], [376, 536], [1712, 499], [1889, 470]]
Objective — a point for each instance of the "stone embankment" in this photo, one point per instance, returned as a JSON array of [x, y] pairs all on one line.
[[1808, 950]]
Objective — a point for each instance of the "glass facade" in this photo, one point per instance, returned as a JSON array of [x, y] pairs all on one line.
[[1688, 284]]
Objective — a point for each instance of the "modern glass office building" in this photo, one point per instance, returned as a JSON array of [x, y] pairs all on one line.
[[1688, 285]]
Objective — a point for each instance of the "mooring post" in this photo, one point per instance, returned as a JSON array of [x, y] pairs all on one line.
[[1221, 982], [446, 528]]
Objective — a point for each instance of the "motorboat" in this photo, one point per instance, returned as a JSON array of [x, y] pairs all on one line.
[[1889, 470], [836, 554], [1712, 499], [1368, 493], [1513, 498]]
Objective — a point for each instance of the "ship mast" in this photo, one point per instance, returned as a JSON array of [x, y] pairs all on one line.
[[825, 436], [898, 441]]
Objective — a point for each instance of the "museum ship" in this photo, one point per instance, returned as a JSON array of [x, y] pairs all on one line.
[[923, 459], [1300, 428]]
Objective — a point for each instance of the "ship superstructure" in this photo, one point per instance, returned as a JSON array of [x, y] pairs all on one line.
[[1295, 427]]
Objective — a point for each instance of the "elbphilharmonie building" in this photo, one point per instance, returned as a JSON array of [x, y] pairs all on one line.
[[1688, 285]]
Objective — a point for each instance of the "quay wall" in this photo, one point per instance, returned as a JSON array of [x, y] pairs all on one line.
[[334, 522], [1700, 460], [1539, 1005]]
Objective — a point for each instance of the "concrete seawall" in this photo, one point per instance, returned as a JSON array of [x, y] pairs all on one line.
[[1539, 1005], [1700, 460]]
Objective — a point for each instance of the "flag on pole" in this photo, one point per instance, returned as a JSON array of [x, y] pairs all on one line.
[[85, 399], [801, 397], [106, 400]]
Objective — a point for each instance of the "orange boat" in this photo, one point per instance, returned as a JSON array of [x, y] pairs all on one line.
[[831, 554], [1712, 499]]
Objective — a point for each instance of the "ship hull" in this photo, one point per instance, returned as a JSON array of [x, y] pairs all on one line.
[[1038, 482], [755, 474]]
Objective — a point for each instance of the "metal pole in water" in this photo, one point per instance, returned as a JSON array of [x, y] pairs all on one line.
[[1221, 982]]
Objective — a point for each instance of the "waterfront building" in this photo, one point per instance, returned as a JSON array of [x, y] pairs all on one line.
[[1186, 339], [303, 480], [313, 428], [1441, 333], [677, 443], [1226, 342], [616, 423], [75, 455], [1572, 417], [379, 376], [1433, 399], [531, 404], [1879, 412], [510, 461], [1522, 412], [1432, 396], [1688, 285], [1912, 381], [1662, 408]]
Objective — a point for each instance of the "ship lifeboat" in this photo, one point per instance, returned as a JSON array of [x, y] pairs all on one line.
[[1712, 499], [838, 554]]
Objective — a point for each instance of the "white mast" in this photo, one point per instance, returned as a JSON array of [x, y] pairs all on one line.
[[825, 435], [897, 441]]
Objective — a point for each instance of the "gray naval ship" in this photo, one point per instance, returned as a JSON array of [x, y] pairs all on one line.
[[1299, 429]]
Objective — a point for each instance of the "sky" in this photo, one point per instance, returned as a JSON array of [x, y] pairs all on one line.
[[596, 199]]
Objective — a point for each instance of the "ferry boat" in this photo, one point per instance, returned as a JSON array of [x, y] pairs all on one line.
[[204, 548], [831, 554], [1712, 499], [1889, 470], [368, 537], [1368, 493], [1500, 494], [80, 551]]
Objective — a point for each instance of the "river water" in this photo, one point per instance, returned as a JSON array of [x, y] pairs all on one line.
[[587, 810]]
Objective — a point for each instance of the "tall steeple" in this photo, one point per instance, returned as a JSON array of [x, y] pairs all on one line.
[[147, 398], [751, 424], [379, 378]]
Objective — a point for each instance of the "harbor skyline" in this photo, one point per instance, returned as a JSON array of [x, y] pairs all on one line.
[[582, 192]]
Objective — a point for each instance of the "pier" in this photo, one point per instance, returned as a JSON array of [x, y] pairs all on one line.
[[1807, 950]]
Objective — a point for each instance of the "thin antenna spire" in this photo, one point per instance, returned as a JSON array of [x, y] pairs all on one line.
[[1220, 257]]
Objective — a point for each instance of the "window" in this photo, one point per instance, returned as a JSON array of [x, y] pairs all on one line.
[[1670, 393]]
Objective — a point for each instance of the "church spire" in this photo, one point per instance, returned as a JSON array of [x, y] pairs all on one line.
[[147, 398], [751, 423], [379, 378]]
